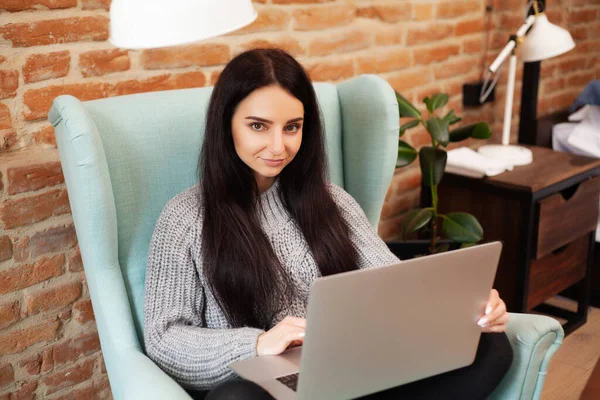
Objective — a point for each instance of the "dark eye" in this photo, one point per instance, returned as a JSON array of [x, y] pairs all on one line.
[[257, 126], [292, 128]]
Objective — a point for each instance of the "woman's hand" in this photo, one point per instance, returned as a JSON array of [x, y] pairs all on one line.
[[495, 317], [290, 331]]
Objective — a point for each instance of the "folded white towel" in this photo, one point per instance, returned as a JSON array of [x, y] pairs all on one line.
[[468, 162], [586, 135]]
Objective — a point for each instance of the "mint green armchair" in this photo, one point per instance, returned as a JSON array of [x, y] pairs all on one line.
[[124, 157]]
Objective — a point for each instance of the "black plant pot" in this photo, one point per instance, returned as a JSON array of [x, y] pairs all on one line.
[[405, 250]]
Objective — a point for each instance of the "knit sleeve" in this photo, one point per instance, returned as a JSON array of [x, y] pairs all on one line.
[[372, 250], [176, 337]]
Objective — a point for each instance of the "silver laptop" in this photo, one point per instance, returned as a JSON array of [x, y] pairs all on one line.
[[378, 328]]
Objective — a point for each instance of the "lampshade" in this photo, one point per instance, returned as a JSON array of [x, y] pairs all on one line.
[[545, 40], [143, 24]]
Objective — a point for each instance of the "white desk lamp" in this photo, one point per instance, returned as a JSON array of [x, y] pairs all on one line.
[[144, 24], [543, 41]]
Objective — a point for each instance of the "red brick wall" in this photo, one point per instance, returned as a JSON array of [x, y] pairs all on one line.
[[48, 341]]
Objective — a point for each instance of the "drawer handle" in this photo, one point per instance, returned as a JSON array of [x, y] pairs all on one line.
[[560, 250], [569, 192]]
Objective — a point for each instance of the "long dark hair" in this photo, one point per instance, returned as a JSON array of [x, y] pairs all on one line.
[[239, 264]]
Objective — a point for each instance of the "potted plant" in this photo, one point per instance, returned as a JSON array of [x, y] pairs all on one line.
[[460, 229]]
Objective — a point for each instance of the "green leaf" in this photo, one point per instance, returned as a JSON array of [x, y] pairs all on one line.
[[406, 154], [438, 100], [408, 125], [433, 164], [477, 131], [452, 118], [405, 108], [417, 219], [462, 227], [438, 128]]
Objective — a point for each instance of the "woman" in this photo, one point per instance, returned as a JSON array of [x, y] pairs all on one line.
[[231, 259]]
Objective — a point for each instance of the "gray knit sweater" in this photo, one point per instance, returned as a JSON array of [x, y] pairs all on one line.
[[185, 331]]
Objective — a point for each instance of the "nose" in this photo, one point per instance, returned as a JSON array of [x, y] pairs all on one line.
[[276, 144]]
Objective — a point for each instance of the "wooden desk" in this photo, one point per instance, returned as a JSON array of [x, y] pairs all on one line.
[[592, 388], [545, 213]]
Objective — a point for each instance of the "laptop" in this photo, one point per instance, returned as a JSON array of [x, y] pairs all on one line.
[[377, 328]]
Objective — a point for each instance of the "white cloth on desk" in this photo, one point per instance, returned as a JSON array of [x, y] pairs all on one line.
[[581, 138], [465, 161]]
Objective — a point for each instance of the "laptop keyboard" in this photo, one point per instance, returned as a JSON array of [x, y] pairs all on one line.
[[290, 381]]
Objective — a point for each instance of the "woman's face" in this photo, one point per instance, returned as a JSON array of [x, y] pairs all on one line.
[[267, 132]]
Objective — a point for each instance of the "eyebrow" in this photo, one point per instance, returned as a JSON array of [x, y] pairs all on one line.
[[270, 122]]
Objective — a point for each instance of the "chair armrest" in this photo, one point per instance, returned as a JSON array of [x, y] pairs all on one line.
[[146, 381], [534, 340]]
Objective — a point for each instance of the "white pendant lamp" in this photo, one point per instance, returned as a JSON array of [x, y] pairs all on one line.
[[545, 40], [144, 24]]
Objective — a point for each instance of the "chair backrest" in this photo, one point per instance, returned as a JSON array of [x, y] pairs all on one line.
[[124, 157]]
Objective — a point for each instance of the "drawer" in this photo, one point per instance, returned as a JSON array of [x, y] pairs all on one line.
[[557, 271], [565, 216]]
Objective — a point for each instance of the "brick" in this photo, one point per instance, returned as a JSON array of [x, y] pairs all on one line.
[[69, 377], [31, 364], [418, 138], [28, 210], [75, 348], [393, 34], [406, 80], [269, 19], [65, 30], [581, 16], [317, 18], [553, 85], [472, 46], [161, 82], [17, 340], [580, 79], [454, 68], [7, 139], [34, 177], [570, 65], [22, 5], [53, 298], [431, 33], [184, 56], [2, 59], [214, 77], [386, 61], [9, 313], [453, 9], [1, 184], [556, 16], [103, 62], [45, 136], [428, 55], [84, 312], [5, 118], [21, 249], [7, 375], [20, 277], [39, 101], [547, 70], [389, 229], [400, 204], [40, 67], [6, 248], [95, 4], [342, 43], [289, 44], [406, 180], [332, 71], [51, 240], [9, 82], [511, 21], [24, 392], [470, 26], [75, 263], [300, 1], [386, 13], [422, 12]]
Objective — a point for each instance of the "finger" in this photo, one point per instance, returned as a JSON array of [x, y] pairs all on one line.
[[295, 321], [492, 301], [498, 312], [494, 329], [501, 320], [295, 334]]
